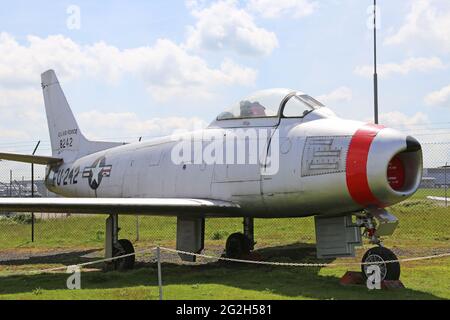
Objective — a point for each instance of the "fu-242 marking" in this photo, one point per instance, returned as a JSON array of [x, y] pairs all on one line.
[[65, 176]]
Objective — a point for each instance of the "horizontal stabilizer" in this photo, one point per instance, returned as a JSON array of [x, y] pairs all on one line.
[[28, 158], [142, 206]]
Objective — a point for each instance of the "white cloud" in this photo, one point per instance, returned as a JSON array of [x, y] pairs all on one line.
[[397, 119], [276, 9], [12, 135], [164, 67], [13, 98], [419, 126], [405, 67], [22, 65], [438, 97], [167, 70], [101, 125], [428, 22], [224, 25], [337, 95], [19, 108]]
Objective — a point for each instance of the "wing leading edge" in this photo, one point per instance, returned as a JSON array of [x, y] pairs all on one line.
[[141, 206]]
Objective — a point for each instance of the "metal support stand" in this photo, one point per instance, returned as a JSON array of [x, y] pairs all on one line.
[[112, 234], [190, 236], [249, 231]]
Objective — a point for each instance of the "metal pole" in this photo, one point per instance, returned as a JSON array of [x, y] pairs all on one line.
[[137, 217], [32, 191], [137, 228], [375, 75], [32, 195], [10, 183], [158, 258], [445, 176]]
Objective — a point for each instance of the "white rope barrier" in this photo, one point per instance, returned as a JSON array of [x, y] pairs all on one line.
[[292, 264], [270, 263]]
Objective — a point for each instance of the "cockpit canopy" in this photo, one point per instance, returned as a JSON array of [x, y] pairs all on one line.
[[272, 103]]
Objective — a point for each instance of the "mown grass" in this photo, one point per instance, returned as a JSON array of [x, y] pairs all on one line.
[[422, 281], [423, 229]]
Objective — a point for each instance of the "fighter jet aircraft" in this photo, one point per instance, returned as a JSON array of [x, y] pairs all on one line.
[[278, 153]]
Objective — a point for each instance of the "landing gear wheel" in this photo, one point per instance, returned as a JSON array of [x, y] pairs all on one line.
[[237, 246], [124, 246], [389, 271]]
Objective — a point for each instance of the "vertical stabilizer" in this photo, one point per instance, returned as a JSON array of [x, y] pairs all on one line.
[[66, 139]]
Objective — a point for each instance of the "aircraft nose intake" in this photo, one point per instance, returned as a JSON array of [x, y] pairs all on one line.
[[394, 166]]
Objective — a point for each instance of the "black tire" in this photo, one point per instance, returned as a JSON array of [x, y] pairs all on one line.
[[389, 271], [237, 246], [124, 246]]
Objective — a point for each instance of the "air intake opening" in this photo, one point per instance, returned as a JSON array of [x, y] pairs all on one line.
[[404, 171], [396, 173]]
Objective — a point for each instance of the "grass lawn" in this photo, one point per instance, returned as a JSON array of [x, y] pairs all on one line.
[[215, 281], [424, 229]]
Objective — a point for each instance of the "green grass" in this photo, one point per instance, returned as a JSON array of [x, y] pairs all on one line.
[[423, 281], [88, 231], [423, 223], [424, 227]]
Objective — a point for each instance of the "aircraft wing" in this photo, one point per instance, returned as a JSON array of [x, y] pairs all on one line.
[[30, 158], [141, 206]]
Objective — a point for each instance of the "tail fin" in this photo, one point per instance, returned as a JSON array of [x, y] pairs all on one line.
[[66, 138]]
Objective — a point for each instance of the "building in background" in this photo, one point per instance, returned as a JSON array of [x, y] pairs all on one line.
[[23, 189], [435, 177]]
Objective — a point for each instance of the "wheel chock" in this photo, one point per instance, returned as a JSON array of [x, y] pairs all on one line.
[[352, 278]]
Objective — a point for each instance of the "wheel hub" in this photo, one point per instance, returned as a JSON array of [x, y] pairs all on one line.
[[376, 260]]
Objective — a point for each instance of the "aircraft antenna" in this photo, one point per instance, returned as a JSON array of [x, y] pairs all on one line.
[[375, 75]]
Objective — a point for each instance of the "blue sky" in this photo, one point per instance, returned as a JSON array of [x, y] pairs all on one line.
[[145, 68]]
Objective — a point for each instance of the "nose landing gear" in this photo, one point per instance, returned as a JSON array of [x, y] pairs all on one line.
[[379, 256]]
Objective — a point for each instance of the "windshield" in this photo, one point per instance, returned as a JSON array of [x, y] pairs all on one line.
[[300, 105], [310, 101], [261, 104]]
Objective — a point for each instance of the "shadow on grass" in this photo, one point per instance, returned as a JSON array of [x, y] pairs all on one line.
[[288, 282], [65, 257]]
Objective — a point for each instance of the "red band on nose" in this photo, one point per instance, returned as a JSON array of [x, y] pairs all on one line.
[[356, 165]]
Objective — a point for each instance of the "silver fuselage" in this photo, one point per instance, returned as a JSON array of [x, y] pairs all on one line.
[[312, 176]]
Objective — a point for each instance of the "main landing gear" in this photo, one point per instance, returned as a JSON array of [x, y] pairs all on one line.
[[379, 256], [239, 245], [115, 247]]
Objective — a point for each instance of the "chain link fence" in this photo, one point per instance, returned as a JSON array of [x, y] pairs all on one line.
[[423, 229]]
